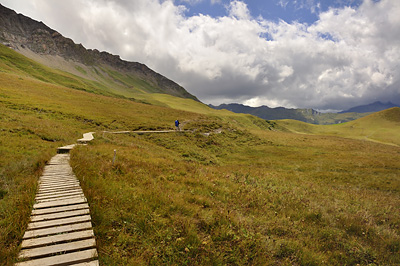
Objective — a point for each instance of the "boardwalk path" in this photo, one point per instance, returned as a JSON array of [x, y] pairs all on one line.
[[60, 231]]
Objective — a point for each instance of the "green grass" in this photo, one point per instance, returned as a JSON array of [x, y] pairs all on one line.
[[236, 198], [381, 127], [252, 192]]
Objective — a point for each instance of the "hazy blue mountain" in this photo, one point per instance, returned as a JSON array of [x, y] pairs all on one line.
[[371, 108]]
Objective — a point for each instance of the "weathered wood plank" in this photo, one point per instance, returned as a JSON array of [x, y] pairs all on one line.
[[56, 177], [53, 249], [59, 192], [44, 188], [58, 181], [58, 215], [57, 169], [92, 263], [57, 230], [58, 222], [61, 195], [76, 257], [65, 198], [60, 209], [67, 184], [60, 203], [49, 240], [59, 173], [57, 189], [58, 184], [58, 195]]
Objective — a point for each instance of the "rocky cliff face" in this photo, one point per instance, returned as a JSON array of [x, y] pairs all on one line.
[[20, 32]]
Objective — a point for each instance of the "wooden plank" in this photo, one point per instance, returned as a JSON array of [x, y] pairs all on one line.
[[58, 222], [59, 186], [59, 192], [47, 190], [61, 161], [49, 240], [53, 249], [58, 195], [41, 190], [75, 257], [57, 177], [58, 183], [59, 203], [65, 198], [57, 230], [58, 174], [92, 263], [59, 209], [58, 170], [76, 184], [58, 215]]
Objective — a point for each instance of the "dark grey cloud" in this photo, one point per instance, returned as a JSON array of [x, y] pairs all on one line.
[[348, 57]]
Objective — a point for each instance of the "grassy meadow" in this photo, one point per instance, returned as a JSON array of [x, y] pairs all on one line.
[[381, 127], [232, 190], [241, 198]]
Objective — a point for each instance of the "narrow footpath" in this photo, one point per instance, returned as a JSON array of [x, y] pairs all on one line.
[[60, 229]]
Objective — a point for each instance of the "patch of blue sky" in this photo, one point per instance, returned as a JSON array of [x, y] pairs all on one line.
[[327, 36], [301, 11]]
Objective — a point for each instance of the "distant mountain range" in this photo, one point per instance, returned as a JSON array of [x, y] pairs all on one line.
[[47, 46], [306, 115], [371, 108]]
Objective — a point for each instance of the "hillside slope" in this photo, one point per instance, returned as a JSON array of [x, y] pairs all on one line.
[[305, 115], [383, 126], [47, 46]]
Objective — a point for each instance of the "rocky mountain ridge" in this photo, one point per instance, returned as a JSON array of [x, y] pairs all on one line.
[[20, 33]]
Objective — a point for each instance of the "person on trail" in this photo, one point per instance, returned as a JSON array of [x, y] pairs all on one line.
[[177, 125]]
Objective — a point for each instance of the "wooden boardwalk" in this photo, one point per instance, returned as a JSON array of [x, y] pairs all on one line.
[[60, 230]]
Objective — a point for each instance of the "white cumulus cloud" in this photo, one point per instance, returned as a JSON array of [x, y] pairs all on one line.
[[348, 57]]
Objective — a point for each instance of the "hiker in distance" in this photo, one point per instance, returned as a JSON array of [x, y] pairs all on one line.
[[177, 125]]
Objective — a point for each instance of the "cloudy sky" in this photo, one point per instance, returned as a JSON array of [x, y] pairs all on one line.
[[321, 54]]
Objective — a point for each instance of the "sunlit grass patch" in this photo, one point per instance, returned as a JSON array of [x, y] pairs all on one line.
[[275, 198]]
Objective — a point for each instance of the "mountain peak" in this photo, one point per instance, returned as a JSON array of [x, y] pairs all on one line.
[[22, 33]]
